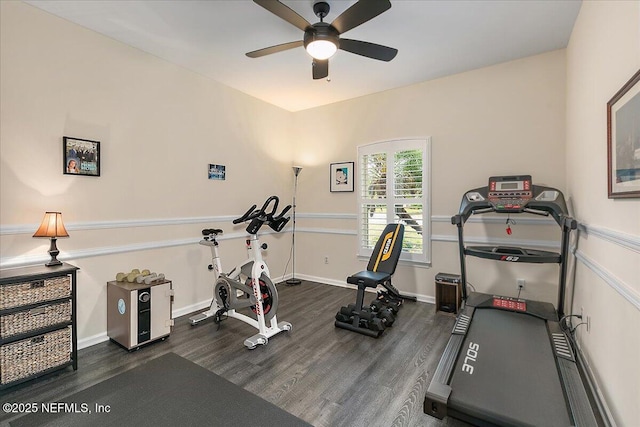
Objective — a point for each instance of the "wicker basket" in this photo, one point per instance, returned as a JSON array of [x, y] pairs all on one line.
[[22, 359], [34, 319], [19, 294]]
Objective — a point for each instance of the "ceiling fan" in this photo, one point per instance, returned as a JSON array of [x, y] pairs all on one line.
[[322, 40]]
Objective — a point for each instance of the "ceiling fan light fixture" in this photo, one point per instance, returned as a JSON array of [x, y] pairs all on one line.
[[321, 49], [321, 41]]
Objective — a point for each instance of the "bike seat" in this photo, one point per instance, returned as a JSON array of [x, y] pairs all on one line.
[[209, 231]]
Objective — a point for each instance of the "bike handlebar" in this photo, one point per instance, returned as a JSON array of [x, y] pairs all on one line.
[[266, 204], [244, 217], [261, 216], [284, 211]]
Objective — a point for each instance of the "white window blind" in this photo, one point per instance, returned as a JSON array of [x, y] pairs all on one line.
[[394, 187]]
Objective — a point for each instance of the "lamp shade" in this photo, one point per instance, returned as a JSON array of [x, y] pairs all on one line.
[[52, 226], [296, 170]]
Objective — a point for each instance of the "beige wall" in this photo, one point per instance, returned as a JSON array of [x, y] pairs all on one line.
[[505, 119], [159, 126], [155, 119], [603, 54]]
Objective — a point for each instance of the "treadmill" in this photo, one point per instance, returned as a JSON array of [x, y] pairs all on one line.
[[508, 362]]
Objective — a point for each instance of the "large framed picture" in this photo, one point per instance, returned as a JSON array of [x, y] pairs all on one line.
[[341, 176], [81, 156], [623, 141]]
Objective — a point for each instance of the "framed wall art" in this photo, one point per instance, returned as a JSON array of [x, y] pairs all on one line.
[[80, 156], [341, 176], [217, 172], [623, 141]]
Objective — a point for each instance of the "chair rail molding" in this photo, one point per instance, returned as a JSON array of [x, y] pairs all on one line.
[[626, 240], [624, 289]]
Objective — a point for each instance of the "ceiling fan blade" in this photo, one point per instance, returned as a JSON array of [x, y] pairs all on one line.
[[320, 68], [370, 50], [274, 49], [284, 12], [359, 13]]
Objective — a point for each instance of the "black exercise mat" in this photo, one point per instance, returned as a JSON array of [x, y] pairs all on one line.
[[166, 391]]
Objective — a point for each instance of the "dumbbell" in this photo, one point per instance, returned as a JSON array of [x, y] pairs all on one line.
[[385, 300], [149, 278], [131, 276], [128, 277], [387, 317], [141, 278], [348, 310], [377, 324], [341, 317]]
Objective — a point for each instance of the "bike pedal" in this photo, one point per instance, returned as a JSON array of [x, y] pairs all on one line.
[[217, 318]]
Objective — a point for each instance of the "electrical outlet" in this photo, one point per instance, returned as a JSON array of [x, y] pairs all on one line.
[[585, 319], [520, 284], [326, 260]]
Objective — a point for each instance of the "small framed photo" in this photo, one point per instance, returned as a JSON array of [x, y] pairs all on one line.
[[217, 172], [81, 156], [623, 141], [341, 176]]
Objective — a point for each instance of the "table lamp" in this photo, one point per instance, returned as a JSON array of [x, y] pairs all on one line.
[[53, 228]]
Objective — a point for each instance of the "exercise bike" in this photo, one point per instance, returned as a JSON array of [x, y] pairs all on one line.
[[249, 284]]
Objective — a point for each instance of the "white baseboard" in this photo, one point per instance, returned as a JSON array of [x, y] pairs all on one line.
[[102, 337], [422, 298], [191, 308], [93, 340]]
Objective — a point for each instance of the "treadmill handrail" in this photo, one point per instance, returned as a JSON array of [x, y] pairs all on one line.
[[536, 212], [557, 208], [476, 201], [513, 254]]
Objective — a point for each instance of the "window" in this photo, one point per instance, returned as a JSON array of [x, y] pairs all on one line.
[[394, 187]]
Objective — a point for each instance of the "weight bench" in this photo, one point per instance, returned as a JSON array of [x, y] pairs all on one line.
[[372, 320]]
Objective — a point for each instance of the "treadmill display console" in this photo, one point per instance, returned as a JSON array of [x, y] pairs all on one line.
[[509, 303], [510, 193]]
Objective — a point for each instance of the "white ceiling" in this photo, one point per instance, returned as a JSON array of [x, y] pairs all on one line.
[[434, 39]]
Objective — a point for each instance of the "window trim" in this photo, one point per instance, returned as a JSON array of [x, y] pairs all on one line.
[[390, 147]]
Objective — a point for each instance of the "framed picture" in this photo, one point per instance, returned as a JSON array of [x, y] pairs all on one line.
[[623, 140], [217, 172], [342, 177], [80, 156]]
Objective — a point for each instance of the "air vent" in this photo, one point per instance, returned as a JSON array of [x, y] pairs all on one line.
[[462, 324], [561, 346]]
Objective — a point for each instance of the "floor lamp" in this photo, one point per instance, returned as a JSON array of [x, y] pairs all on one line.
[[293, 280]]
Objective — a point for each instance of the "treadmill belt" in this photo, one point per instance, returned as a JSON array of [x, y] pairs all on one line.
[[514, 379]]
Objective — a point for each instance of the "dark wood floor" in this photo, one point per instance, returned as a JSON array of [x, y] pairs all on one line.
[[324, 375]]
